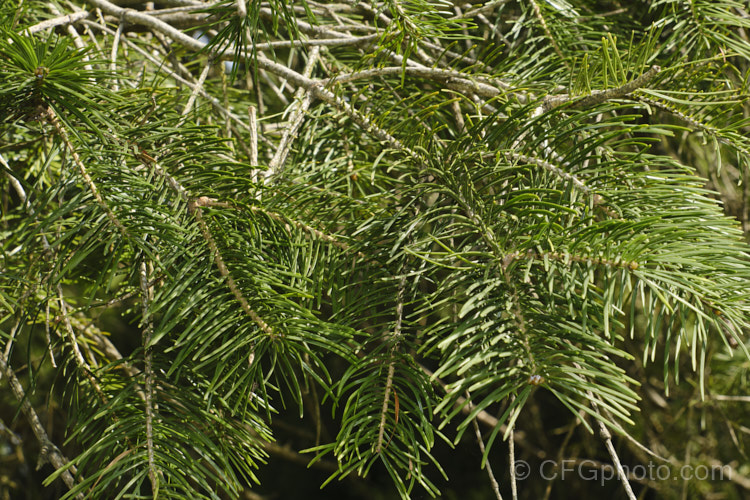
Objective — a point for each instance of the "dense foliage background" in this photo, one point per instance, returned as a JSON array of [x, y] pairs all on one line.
[[401, 248]]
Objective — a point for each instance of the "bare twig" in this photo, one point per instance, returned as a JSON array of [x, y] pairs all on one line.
[[477, 11], [57, 21], [480, 442], [278, 90], [512, 458], [721, 397], [241, 8], [194, 94], [15, 183], [733, 475], [605, 434], [302, 100], [252, 112], [456, 80], [113, 55]]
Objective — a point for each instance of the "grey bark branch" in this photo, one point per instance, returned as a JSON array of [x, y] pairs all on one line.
[[58, 21], [302, 101], [452, 79], [49, 451], [263, 63], [600, 96]]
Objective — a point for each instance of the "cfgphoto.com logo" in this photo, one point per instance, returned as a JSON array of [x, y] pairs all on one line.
[[589, 470]]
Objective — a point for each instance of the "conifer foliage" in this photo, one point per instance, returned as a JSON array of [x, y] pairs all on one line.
[[407, 224]]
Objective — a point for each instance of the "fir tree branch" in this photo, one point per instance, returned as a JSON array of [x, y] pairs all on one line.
[[559, 172], [147, 294], [74, 345], [77, 41], [488, 235], [493, 27], [304, 227], [567, 258], [642, 242], [694, 121], [49, 451], [391, 367], [363, 122], [543, 22], [84, 172], [599, 96], [173, 74], [70, 321], [195, 208], [87, 328], [489, 421], [379, 446]]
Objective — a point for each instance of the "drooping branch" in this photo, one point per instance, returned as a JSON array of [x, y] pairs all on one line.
[[49, 451], [84, 172], [543, 22], [391, 369], [147, 294], [559, 172], [196, 208]]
